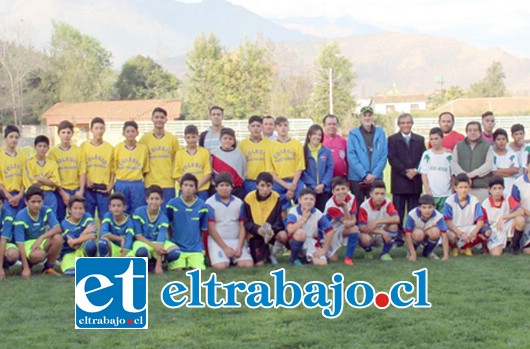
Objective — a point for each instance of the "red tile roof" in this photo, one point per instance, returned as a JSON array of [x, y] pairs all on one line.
[[138, 110], [400, 98]]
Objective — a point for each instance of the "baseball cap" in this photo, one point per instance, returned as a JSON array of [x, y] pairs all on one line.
[[367, 109]]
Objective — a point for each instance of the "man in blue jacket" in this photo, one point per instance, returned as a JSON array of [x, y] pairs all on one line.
[[367, 155]]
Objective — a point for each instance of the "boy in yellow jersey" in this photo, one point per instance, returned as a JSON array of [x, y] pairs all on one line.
[[43, 171], [285, 161], [131, 163], [99, 169], [162, 147], [11, 172], [254, 149], [194, 159], [72, 167]]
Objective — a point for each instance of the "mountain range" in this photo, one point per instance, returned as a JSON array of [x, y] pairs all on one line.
[[384, 60]]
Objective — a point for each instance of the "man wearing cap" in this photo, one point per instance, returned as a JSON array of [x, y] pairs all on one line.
[[405, 150], [337, 144], [367, 155]]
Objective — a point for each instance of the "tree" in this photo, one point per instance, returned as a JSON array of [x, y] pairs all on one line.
[[80, 66], [492, 85], [331, 61], [247, 80], [445, 96], [142, 78], [19, 61], [204, 80]]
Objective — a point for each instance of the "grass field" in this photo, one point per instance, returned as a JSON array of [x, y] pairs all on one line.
[[477, 302]]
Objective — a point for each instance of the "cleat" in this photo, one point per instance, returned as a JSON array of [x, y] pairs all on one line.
[[433, 255], [349, 261], [386, 258], [297, 263], [467, 252], [454, 252], [368, 255], [50, 271], [273, 260], [69, 272]]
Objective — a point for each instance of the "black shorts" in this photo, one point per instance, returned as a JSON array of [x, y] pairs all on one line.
[[259, 249]]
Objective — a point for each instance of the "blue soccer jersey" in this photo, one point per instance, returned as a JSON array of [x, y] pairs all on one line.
[[187, 222], [125, 229], [73, 230], [29, 228], [6, 225], [152, 230]]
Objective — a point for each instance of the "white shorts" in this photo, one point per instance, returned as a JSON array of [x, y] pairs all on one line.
[[311, 245], [338, 240], [467, 230], [217, 255], [498, 238]]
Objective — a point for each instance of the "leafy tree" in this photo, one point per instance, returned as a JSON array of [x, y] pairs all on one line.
[[331, 61], [204, 76], [492, 85], [247, 80], [80, 66], [142, 78], [445, 96]]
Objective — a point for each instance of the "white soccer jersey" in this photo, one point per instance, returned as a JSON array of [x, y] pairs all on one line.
[[334, 212], [521, 194], [317, 222], [506, 161], [463, 216], [225, 216], [414, 220], [437, 167], [368, 212]]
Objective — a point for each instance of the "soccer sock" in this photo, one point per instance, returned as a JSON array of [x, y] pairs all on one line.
[[296, 247], [173, 255], [416, 244], [516, 240], [352, 243], [48, 265], [431, 244], [104, 248], [276, 247], [91, 248], [142, 252], [368, 248], [388, 246]]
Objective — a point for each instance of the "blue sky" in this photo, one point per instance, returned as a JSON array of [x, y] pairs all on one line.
[[490, 23]]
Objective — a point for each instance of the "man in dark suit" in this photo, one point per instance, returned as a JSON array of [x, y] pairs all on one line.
[[404, 154]]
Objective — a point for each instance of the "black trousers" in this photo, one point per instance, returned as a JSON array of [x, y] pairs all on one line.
[[361, 192], [404, 203]]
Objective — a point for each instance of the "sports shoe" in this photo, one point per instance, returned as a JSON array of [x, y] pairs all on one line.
[[273, 260], [467, 252], [69, 272], [349, 261], [454, 252], [386, 258], [50, 271], [297, 263], [433, 255], [368, 255]]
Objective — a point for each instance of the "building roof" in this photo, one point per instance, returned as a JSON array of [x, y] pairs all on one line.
[[477, 106], [399, 99], [138, 110]]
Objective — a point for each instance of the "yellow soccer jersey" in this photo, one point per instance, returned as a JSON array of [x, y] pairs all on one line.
[[197, 164], [161, 156], [12, 171], [131, 165], [72, 164], [99, 161], [50, 170], [285, 159], [255, 154]]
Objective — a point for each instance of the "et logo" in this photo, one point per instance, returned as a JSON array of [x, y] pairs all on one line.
[[111, 293]]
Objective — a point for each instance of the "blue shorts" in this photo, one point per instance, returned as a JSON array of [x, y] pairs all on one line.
[[203, 194], [96, 200], [169, 193], [61, 207], [134, 192], [249, 185], [12, 210], [282, 191], [50, 200]]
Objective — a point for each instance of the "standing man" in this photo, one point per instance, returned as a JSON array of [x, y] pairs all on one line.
[[474, 157], [269, 128], [337, 144], [404, 155], [367, 154], [162, 148], [446, 121], [211, 138], [488, 124]]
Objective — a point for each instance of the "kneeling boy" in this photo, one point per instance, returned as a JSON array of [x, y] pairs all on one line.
[[378, 216], [79, 233], [151, 230], [425, 225], [304, 222], [226, 240], [117, 229], [37, 233], [8, 249]]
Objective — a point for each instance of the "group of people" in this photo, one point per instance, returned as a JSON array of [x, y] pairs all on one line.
[[241, 204]]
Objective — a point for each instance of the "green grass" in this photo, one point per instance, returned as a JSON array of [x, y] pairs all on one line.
[[477, 302]]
